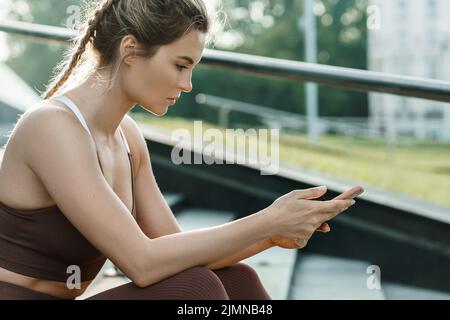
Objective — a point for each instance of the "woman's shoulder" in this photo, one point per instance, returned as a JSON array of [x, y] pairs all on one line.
[[42, 122], [43, 114]]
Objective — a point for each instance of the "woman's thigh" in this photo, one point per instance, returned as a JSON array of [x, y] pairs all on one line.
[[198, 283], [9, 291]]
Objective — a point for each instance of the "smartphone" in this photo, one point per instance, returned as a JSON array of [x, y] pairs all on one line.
[[351, 193]]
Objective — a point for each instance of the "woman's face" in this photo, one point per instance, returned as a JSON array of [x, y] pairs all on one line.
[[151, 82]]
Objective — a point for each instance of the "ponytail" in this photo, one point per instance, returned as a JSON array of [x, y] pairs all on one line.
[[61, 78]]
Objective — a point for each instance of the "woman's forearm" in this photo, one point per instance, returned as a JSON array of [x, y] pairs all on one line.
[[173, 253], [250, 251]]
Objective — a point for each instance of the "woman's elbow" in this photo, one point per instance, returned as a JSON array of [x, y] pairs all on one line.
[[144, 266]]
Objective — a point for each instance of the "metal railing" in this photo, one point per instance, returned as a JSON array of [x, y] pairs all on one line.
[[352, 79], [279, 119]]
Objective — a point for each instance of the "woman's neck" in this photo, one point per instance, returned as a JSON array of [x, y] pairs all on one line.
[[103, 109]]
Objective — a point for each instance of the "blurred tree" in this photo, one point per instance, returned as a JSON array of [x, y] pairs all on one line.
[[271, 28], [32, 60]]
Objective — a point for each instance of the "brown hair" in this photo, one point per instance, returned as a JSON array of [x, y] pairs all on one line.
[[152, 22]]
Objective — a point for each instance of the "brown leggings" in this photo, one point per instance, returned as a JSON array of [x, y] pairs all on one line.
[[236, 282]]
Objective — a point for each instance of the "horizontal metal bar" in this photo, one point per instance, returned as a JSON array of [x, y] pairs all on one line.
[[352, 79], [360, 80], [62, 35]]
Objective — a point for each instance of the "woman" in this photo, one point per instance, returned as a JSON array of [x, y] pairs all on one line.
[[82, 161]]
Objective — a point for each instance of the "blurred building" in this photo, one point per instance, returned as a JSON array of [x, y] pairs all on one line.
[[411, 37]]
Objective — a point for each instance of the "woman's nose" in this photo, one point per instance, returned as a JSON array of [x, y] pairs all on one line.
[[186, 84]]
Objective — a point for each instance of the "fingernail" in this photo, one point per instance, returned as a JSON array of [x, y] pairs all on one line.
[[321, 188], [353, 202]]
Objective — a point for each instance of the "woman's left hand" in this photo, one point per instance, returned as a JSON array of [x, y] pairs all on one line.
[[288, 243]]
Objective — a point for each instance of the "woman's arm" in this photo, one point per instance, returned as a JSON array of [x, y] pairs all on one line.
[[171, 251], [155, 217], [250, 251], [63, 156]]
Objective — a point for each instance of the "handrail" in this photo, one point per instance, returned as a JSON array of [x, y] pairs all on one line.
[[347, 78], [39, 31], [284, 118]]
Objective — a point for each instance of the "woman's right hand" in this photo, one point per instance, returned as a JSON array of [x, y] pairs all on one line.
[[295, 216]]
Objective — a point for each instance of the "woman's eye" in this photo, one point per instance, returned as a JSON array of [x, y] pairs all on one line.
[[180, 67]]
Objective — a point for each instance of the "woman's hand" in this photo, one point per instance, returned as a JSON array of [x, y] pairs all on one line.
[[288, 243], [295, 218]]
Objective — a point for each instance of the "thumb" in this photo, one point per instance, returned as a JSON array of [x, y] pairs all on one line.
[[311, 193]]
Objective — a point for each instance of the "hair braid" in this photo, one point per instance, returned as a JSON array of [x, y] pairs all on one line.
[[60, 79]]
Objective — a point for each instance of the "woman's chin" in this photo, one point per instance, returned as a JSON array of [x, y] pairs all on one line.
[[158, 111], [162, 113]]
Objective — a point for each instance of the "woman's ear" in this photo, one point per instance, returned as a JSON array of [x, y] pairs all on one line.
[[127, 47]]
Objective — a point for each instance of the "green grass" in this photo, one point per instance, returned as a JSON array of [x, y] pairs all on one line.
[[420, 170]]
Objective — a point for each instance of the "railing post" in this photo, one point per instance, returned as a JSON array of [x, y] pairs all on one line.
[[311, 57], [224, 112]]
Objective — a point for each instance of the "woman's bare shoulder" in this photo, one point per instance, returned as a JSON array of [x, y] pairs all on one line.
[[45, 107], [44, 113], [42, 121]]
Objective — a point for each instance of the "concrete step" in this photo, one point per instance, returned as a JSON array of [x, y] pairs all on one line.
[[319, 277], [395, 291]]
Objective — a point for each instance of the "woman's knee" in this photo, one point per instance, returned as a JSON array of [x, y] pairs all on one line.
[[244, 270], [198, 283], [242, 282], [201, 282]]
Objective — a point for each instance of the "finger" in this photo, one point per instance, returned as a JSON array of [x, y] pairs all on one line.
[[324, 228], [350, 193], [311, 193], [329, 205], [301, 243], [332, 208]]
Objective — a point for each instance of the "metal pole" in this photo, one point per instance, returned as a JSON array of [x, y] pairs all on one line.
[[311, 57]]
